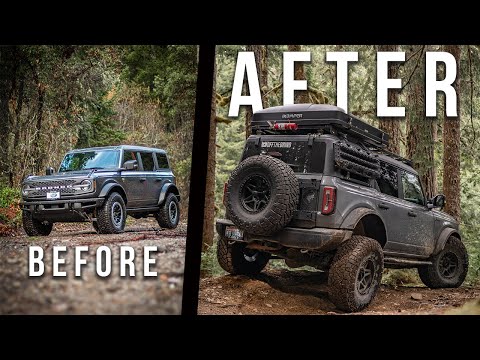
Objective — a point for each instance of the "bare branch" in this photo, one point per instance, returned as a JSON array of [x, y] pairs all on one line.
[[414, 69]]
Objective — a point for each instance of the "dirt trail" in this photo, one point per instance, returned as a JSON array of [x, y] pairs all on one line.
[[92, 294], [284, 292]]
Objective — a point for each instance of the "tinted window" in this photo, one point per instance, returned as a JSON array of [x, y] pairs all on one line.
[[147, 160], [162, 161], [412, 190], [388, 181], [101, 159]]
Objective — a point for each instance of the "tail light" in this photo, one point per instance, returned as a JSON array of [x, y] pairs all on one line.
[[328, 200], [285, 126], [224, 193]]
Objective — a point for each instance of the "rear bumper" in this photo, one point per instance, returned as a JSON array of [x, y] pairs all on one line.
[[320, 239], [61, 210]]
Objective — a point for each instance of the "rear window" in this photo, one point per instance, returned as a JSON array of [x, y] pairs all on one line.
[[302, 155], [162, 161]]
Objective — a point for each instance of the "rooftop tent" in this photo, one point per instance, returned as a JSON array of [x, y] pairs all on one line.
[[312, 118]]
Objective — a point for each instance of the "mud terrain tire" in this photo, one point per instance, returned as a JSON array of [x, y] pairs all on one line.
[[35, 227], [169, 214], [237, 260], [112, 215], [355, 273], [449, 267], [262, 195]]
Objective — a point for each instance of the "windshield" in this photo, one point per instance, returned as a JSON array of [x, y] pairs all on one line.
[[88, 160]]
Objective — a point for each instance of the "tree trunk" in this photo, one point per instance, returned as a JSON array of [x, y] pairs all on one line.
[[261, 56], [391, 125], [420, 143], [301, 96], [7, 61], [209, 216], [451, 148]]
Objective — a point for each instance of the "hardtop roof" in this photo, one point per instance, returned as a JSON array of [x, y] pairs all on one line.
[[120, 147]]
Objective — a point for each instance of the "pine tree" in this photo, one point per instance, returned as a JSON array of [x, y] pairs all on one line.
[[390, 125], [451, 148]]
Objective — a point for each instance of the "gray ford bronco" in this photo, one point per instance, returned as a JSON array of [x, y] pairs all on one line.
[[315, 186], [102, 185]]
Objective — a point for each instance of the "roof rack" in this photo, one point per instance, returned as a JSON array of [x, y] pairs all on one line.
[[394, 156], [317, 118]]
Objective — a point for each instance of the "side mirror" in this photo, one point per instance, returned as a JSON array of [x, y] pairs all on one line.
[[438, 201], [130, 165], [49, 171]]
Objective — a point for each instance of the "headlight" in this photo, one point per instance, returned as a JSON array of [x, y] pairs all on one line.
[[85, 185], [25, 189]]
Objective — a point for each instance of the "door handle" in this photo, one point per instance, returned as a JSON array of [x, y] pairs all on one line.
[[158, 179], [383, 206], [412, 214], [143, 179]]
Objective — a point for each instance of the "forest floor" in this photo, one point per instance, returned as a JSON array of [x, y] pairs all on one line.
[[286, 292], [92, 294]]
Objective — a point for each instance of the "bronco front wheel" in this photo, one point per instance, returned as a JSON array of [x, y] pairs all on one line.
[[35, 227], [449, 267], [112, 215]]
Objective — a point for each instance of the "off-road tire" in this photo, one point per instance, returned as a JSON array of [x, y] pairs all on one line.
[[105, 219], [345, 288], [164, 218], [283, 194], [433, 276], [231, 258], [35, 227]]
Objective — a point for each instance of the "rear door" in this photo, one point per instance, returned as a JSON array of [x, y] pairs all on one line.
[[163, 173], [148, 179], [419, 220], [391, 209]]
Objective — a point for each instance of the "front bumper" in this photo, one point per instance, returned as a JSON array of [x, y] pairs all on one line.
[[320, 239], [61, 210]]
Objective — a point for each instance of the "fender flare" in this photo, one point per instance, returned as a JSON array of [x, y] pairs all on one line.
[[443, 237], [168, 187], [109, 186], [355, 216]]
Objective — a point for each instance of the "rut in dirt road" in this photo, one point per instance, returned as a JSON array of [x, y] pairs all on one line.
[[285, 292], [92, 294]]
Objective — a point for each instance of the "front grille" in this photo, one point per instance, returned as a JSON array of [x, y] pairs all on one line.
[[40, 188], [53, 183]]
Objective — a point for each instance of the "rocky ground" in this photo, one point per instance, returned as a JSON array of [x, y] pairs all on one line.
[[91, 294], [284, 292]]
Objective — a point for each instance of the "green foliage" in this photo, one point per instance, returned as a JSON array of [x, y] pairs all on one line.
[[10, 214], [209, 266], [8, 196], [400, 277], [100, 129]]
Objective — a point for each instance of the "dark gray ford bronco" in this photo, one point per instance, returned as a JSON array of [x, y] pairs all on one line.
[[102, 185], [315, 186]]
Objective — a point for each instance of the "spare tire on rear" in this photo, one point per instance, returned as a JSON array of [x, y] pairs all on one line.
[[262, 195]]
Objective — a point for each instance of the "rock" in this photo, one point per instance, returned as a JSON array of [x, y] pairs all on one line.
[[268, 305], [331, 313], [60, 308], [417, 296]]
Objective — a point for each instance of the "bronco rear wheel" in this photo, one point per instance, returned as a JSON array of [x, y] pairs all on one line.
[[35, 227], [355, 273], [262, 195], [236, 259]]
